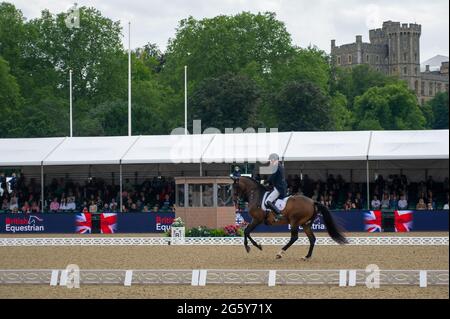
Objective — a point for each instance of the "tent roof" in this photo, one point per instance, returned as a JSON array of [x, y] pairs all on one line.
[[328, 146], [168, 149], [91, 150], [245, 147], [393, 145], [227, 148], [26, 151]]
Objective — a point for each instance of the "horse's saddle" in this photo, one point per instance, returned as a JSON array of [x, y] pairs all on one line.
[[280, 203]]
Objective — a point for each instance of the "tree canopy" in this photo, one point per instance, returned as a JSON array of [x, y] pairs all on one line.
[[243, 71]]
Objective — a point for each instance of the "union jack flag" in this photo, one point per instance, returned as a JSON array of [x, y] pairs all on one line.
[[108, 223], [83, 223], [372, 220], [403, 220]]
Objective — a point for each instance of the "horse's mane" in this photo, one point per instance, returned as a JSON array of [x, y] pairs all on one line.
[[261, 188]]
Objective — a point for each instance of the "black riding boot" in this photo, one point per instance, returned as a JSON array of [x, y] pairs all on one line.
[[277, 212]]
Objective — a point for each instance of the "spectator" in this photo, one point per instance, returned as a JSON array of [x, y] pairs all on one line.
[[145, 209], [54, 205], [14, 202], [349, 205], [329, 201], [113, 205], [63, 203], [429, 206], [26, 208], [237, 172], [393, 201], [402, 203], [167, 203], [385, 203], [358, 202], [5, 204], [71, 203], [322, 200], [93, 207], [106, 209], [134, 208], [375, 203], [13, 183], [446, 203], [430, 200], [421, 205], [315, 196], [3, 187], [35, 207]]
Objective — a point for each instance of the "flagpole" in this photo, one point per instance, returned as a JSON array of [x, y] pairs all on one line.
[[129, 78], [70, 94], [185, 99]]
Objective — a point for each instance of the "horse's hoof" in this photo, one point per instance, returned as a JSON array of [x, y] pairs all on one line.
[[259, 247], [247, 248], [280, 254], [306, 258]]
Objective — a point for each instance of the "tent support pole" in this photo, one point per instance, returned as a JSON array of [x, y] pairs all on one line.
[[367, 181], [42, 187], [120, 186]]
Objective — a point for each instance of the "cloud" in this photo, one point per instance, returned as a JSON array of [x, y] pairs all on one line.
[[309, 22]]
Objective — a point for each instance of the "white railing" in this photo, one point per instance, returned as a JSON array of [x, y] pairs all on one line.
[[278, 241], [202, 277]]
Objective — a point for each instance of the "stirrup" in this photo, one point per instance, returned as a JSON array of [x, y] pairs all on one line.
[[278, 217]]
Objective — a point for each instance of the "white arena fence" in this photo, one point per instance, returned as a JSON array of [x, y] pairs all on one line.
[[278, 241], [202, 277]]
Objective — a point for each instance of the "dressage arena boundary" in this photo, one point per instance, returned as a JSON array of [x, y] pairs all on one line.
[[202, 277], [158, 241]]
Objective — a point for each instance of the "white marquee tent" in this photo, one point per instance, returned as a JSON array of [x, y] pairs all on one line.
[[355, 148], [226, 148]]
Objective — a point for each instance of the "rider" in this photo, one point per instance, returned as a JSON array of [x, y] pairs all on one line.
[[278, 182]]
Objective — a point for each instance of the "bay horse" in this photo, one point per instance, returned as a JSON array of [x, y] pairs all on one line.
[[299, 211]]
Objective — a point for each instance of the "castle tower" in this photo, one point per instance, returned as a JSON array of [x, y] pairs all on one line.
[[404, 51]]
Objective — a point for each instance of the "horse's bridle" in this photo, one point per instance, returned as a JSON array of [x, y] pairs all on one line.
[[236, 190]]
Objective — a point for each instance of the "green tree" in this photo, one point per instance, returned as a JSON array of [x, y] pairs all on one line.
[[46, 118], [439, 106], [10, 100], [246, 42], [356, 81], [392, 107], [12, 35], [228, 101], [310, 65], [93, 51], [303, 106], [343, 118]]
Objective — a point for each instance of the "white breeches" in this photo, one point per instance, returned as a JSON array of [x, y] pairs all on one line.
[[273, 196]]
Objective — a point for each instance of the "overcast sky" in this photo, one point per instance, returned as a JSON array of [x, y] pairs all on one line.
[[313, 22]]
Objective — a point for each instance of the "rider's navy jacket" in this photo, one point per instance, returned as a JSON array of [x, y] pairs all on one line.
[[277, 180]]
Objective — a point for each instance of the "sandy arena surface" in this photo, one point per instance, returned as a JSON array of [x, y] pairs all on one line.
[[223, 257]]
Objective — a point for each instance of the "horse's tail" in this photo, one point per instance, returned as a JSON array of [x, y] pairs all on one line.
[[332, 228]]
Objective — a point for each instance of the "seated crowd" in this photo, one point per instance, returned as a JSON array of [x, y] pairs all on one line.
[[157, 194]]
